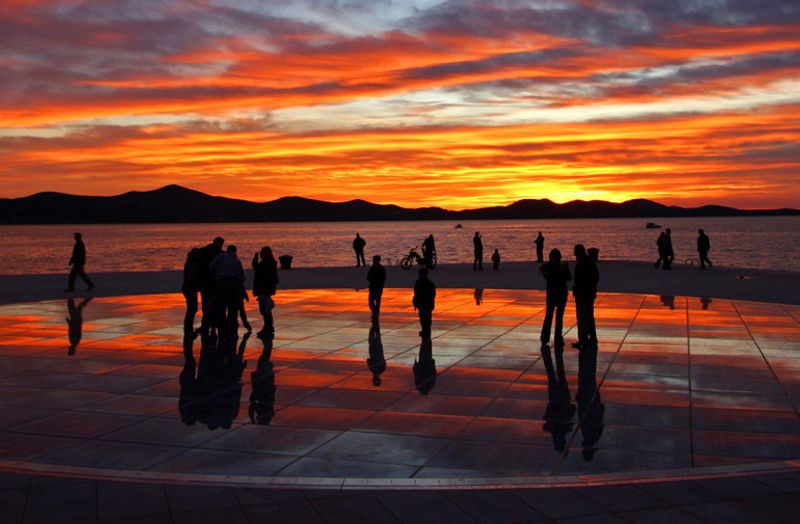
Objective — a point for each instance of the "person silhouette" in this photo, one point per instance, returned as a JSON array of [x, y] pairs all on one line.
[[478, 295], [556, 274], [78, 263], [703, 247], [477, 245], [262, 395], [376, 362], [669, 253], [668, 301], [192, 281], [75, 323], [428, 251], [424, 302], [591, 409], [228, 275], [660, 246], [705, 302], [358, 247], [425, 367], [243, 310], [540, 248], [496, 260], [585, 291], [265, 285], [190, 398], [376, 276], [207, 255]]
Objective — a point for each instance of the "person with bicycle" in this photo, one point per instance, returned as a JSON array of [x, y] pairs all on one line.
[[428, 251]]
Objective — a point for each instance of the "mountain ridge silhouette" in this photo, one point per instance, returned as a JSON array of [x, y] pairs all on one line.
[[177, 204]]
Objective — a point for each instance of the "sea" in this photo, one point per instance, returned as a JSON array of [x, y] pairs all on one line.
[[749, 242]]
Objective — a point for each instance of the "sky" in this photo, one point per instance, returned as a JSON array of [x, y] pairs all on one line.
[[458, 104]]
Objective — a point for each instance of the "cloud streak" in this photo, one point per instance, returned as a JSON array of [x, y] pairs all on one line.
[[449, 103]]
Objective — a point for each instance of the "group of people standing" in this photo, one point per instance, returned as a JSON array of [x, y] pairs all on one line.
[[218, 277]]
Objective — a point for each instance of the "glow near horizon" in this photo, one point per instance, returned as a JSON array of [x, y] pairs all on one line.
[[416, 103]]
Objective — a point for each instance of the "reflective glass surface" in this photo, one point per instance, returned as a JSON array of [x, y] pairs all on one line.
[[676, 382]]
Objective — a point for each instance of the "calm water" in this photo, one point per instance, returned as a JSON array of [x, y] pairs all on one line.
[[768, 242]]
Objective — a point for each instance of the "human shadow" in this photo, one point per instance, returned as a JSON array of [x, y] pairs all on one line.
[[262, 394], [591, 409], [211, 389], [560, 409], [376, 362], [75, 323], [425, 367]]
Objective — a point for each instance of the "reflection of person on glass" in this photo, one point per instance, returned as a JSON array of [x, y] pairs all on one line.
[[585, 291], [190, 400], [590, 405], [376, 276], [478, 294], [425, 367], [556, 273], [262, 395], [376, 362], [560, 410], [75, 323], [424, 302]]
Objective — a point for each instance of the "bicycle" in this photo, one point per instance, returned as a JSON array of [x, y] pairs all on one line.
[[407, 261]]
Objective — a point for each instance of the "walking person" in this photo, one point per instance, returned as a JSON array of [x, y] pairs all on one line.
[[496, 260], [376, 276], [358, 247], [556, 273], [78, 262], [424, 302], [660, 246], [477, 248], [669, 254], [191, 288], [703, 247], [265, 285], [540, 248], [585, 292]]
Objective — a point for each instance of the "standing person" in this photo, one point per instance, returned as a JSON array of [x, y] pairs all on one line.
[[703, 247], [358, 247], [585, 292], [540, 248], [243, 311], [669, 254], [207, 255], [556, 274], [428, 251], [376, 276], [424, 302], [78, 261], [496, 260], [190, 288], [265, 285], [228, 275], [660, 246], [477, 245]]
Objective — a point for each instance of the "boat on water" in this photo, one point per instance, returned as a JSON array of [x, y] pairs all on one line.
[[652, 225]]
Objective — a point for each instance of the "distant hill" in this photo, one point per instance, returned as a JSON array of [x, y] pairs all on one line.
[[175, 204]]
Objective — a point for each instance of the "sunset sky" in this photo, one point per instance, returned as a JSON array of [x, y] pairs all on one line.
[[420, 102]]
